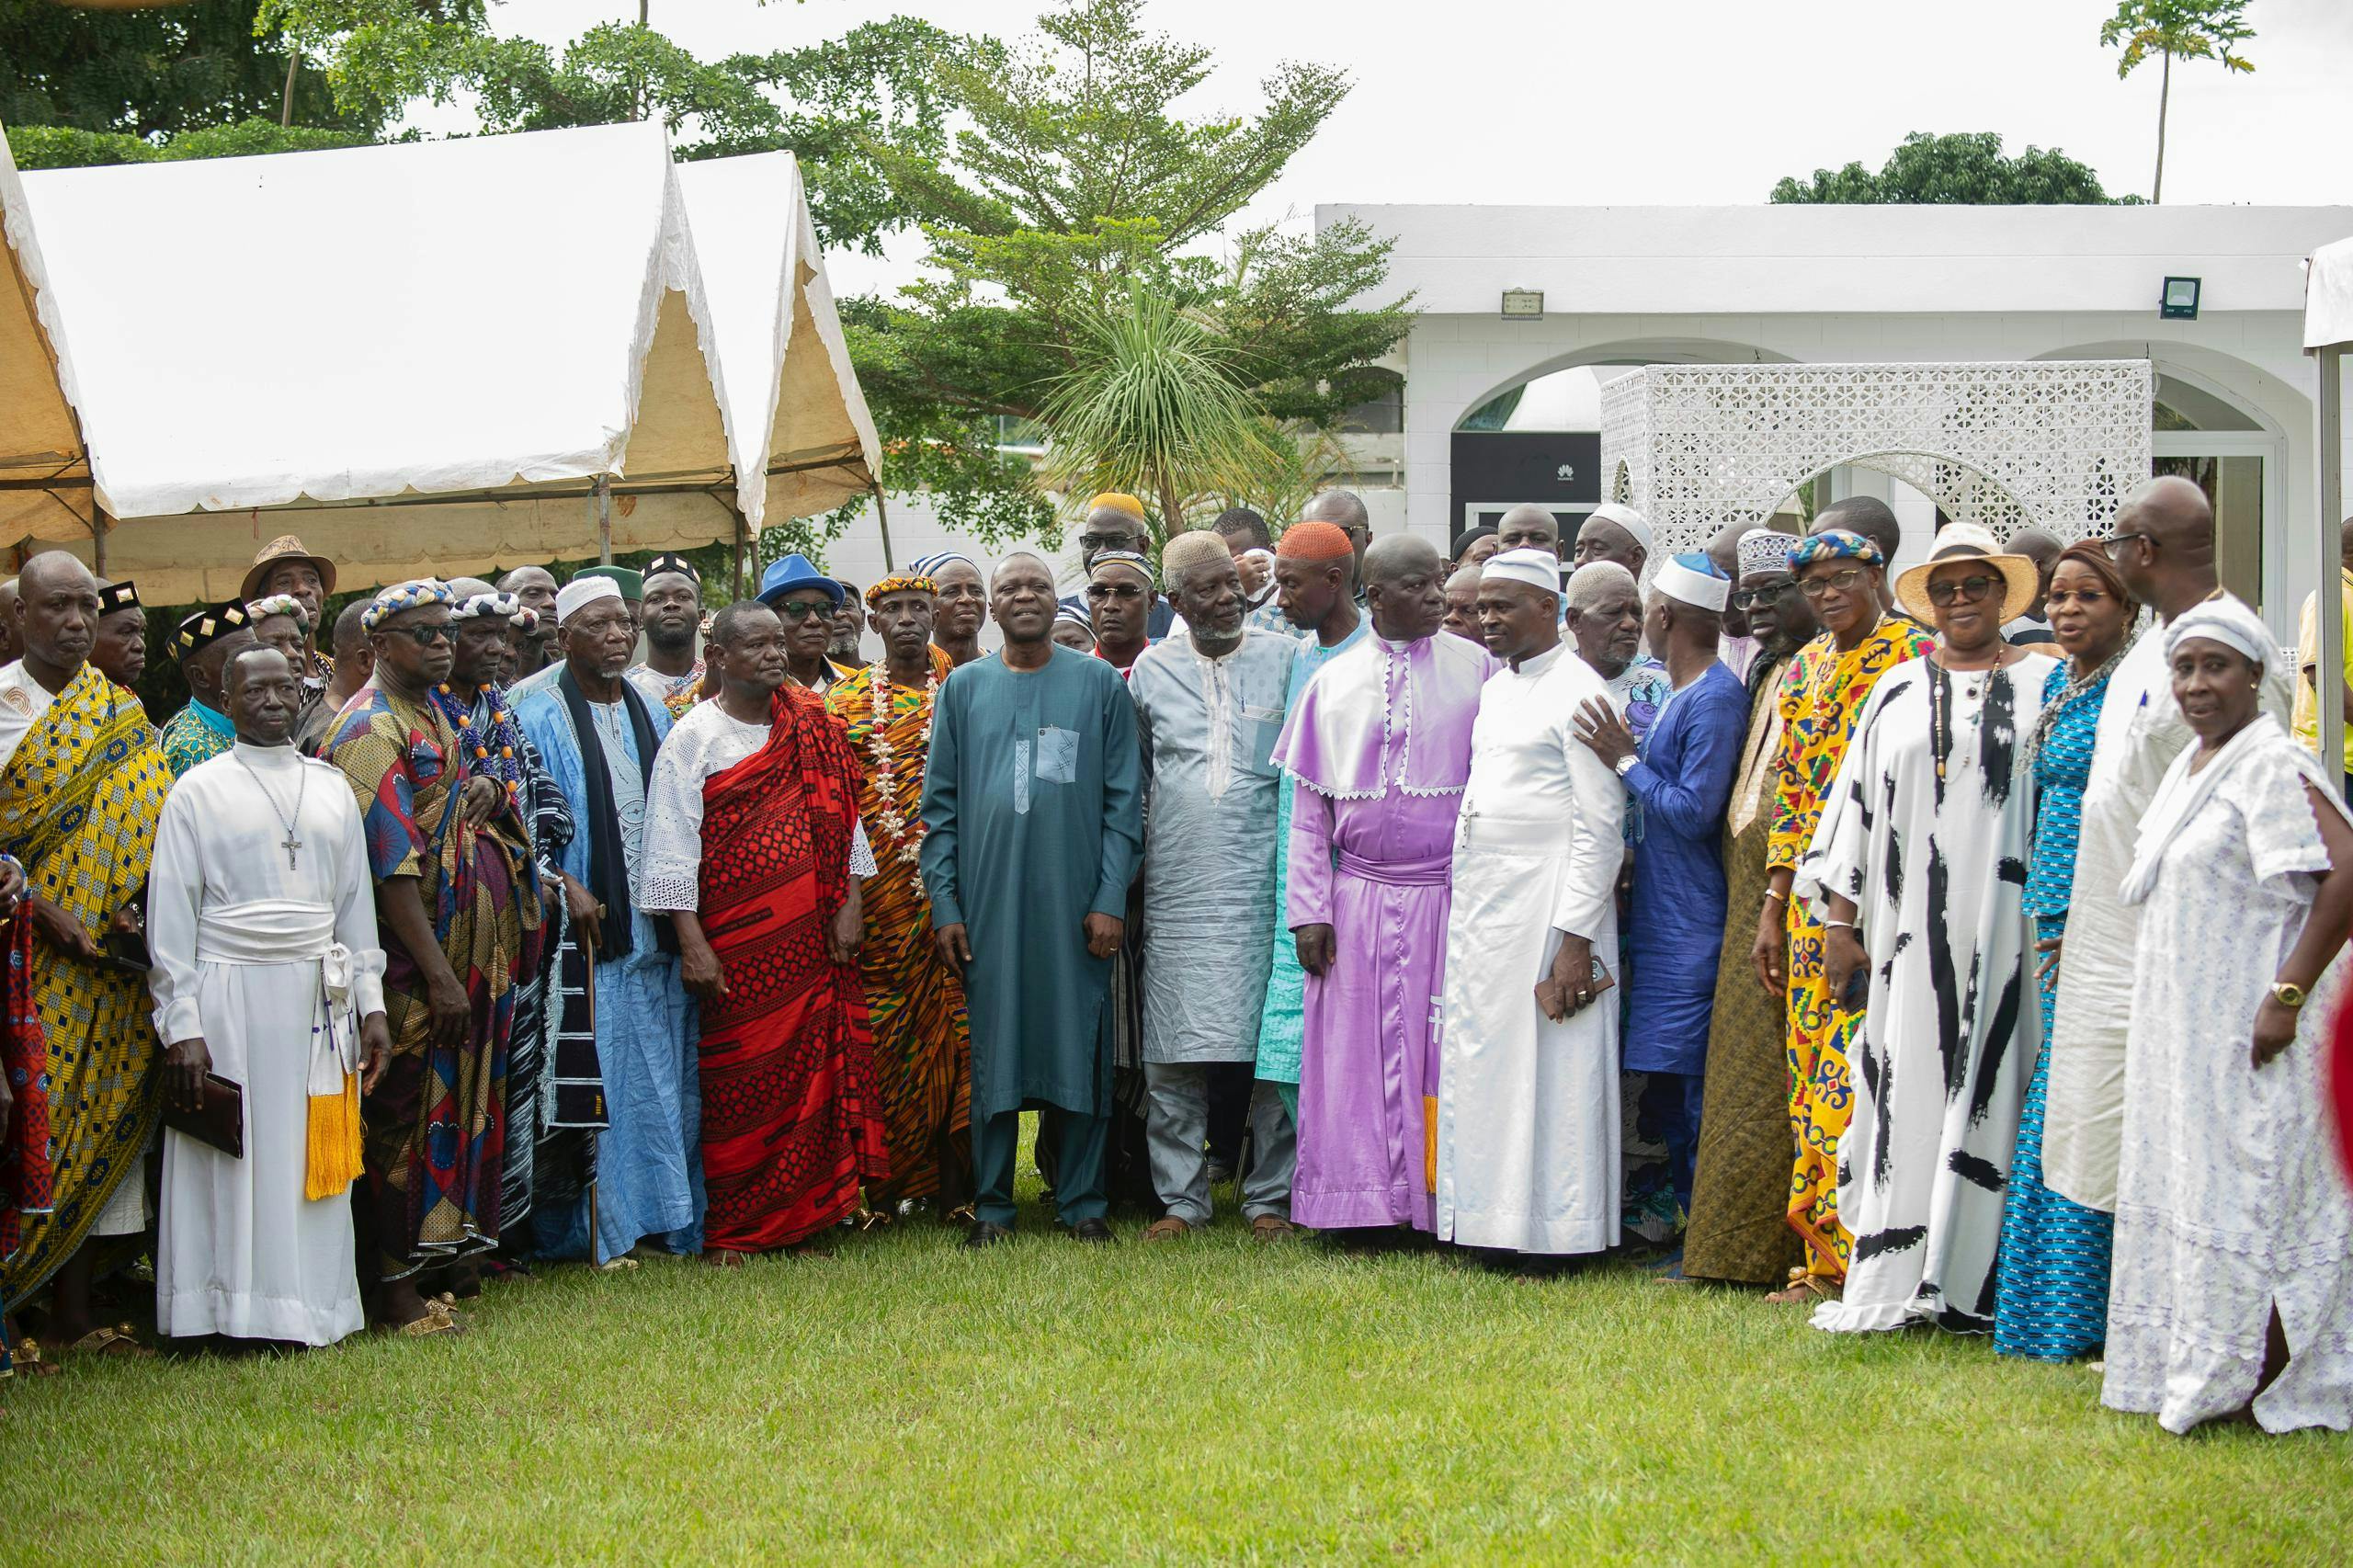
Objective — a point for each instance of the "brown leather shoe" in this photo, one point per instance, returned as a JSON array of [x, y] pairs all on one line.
[[1272, 1227], [1168, 1228]]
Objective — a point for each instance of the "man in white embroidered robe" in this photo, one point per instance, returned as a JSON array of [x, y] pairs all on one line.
[[261, 926], [1527, 1073]]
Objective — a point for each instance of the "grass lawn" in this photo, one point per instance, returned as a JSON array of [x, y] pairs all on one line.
[[1212, 1399]]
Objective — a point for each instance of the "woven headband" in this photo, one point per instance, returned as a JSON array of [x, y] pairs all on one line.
[[904, 583], [400, 597]]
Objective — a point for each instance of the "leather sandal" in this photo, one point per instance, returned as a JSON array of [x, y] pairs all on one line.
[[1168, 1228], [116, 1341]]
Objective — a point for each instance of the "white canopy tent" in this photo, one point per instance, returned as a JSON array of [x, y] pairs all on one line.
[[2328, 332], [797, 416], [433, 357], [45, 486]]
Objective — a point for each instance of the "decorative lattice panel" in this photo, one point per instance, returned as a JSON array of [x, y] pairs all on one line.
[[2052, 442]]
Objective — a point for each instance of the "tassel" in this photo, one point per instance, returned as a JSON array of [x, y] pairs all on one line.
[[1429, 1143], [333, 1157]]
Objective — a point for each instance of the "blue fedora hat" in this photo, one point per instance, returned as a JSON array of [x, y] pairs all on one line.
[[794, 571]]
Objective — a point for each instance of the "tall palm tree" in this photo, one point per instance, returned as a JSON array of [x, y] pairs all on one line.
[[2194, 29], [1153, 402]]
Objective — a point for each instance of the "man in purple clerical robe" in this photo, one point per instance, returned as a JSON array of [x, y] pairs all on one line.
[[1379, 746]]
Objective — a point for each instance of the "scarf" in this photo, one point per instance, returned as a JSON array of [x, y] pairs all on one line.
[[2183, 794], [607, 861], [2074, 691]]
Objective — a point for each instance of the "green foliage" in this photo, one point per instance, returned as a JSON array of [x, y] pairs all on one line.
[[380, 54], [2184, 29], [60, 147], [1077, 180], [1965, 169], [1152, 404], [150, 72]]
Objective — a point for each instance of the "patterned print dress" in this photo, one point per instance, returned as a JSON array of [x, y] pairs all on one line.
[[1825, 693], [2053, 1298]]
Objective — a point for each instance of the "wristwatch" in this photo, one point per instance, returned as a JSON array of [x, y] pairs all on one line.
[[2288, 994], [1625, 764]]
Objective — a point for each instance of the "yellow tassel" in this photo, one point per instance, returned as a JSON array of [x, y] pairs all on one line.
[[332, 1163], [1429, 1142]]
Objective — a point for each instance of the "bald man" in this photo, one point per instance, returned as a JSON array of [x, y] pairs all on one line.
[[535, 585], [2033, 627], [12, 647], [1344, 510], [1735, 649], [2162, 544]]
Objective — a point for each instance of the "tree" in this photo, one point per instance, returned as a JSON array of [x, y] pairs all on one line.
[[151, 72], [62, 147], [2194, 29], [1963, 169], [1153, 402], [1075, 183]]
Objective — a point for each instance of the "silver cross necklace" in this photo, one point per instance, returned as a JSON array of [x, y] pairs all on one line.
[[290, 843]]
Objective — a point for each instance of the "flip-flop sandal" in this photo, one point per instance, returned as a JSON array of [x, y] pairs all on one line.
[[724, 1257], [26, 1360], [621, 1264], [117, 1341], [426, 1326]]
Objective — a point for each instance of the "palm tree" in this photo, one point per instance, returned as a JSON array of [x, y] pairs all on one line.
[[2194, 29], [1152, 404]]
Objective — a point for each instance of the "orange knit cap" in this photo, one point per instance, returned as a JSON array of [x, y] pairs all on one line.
[[1314, 541]]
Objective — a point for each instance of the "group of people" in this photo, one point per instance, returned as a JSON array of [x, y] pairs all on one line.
[[1927, 947]]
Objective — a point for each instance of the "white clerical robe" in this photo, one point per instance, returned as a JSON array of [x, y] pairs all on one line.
[[1528, 1108], [240, 944]]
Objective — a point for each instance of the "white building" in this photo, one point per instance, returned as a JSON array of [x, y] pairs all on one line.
[[1495, 410], [1644, 285]]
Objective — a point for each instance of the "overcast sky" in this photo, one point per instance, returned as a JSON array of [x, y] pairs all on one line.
[[1568, 101]]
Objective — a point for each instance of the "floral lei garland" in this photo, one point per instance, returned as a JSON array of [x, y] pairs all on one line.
[[906, 840]]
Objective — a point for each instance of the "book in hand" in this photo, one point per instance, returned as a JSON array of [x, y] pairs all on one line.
[[219, 1121]]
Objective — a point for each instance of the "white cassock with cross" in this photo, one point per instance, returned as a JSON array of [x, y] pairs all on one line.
[[259, 909]]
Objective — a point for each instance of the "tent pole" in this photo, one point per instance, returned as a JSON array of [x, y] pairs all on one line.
[[100, 524], [735, 587], [2328, 669], [604, 494], [882, 516]]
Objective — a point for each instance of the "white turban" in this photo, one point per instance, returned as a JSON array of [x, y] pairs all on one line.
[[1630, 520], [1690, 586], [2226, 621], [1537, 568], [582, 592]]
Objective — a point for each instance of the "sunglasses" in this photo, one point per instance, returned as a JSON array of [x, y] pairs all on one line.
[[2116, 544], [1845, 582], [1946, 591], [794, 611], [425, 636], [1749, 598]]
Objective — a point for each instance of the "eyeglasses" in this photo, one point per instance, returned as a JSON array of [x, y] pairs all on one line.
[[2116, 543], [424, 635], [2062, 597], [1749, 598], [1845, 582], [1098, 592], [794, 611], [1945, 591]]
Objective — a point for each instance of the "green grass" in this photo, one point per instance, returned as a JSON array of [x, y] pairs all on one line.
[[1212, 1399]]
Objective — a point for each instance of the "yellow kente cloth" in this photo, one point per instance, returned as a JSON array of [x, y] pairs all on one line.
[[923, 1049], [1821, 699], [78, 806]]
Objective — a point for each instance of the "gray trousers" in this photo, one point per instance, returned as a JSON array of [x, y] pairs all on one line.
[[1177, 1119]]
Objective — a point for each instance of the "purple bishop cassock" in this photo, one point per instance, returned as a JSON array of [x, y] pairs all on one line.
[[1379, 743]]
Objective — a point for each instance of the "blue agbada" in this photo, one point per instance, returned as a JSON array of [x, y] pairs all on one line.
[[1682, 784], [1033, 818], [649, 1158]]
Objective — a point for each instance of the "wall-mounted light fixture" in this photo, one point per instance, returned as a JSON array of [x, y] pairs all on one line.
[[1523, 304], [2180, 300]]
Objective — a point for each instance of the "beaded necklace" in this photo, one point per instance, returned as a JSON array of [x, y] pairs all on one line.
[[906, 838], [506, 764]]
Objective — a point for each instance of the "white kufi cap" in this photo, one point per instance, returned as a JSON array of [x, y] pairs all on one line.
[[1537, 568], [582, 592]]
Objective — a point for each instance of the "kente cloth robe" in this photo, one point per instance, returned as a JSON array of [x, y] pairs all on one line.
[[649, 1156], [1528, 1128], [1208, 729], [759, 833], [2140, 732], [1032, 815], [1379, 748], [244, 947], [1281, 1021], [1928, 828]]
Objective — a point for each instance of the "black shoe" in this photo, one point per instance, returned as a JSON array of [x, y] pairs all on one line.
[[983, 1235], [1095, 1230]]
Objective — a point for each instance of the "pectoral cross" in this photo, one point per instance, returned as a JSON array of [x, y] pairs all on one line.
[[289, 844]]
